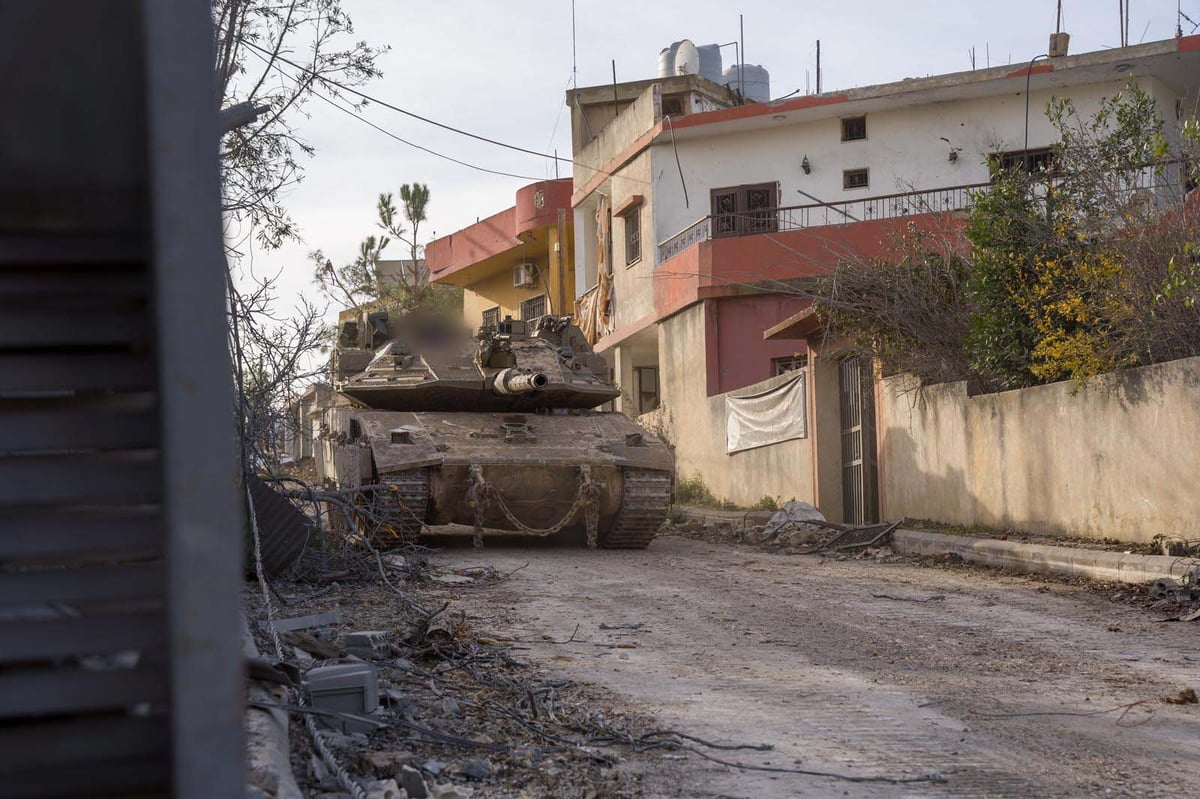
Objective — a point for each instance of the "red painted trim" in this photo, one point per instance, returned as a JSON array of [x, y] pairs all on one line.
[[1039, 69], [633, 202], [1186, 44], [498, 233], [616, 162], [484, 239], [556, 195], [758, 109]]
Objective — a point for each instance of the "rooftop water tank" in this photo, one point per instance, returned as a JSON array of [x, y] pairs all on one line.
[[710, 62], [687, 59], [666, 60], [753, 81]]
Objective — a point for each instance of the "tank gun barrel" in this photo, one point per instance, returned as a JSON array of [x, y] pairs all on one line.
[[510, 381]]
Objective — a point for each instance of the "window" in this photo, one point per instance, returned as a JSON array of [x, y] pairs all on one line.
[[633, 237], [533, 307], [789, 364], [647, 382], [491, 317], [856, 178], [673, 106], [854, 128], [1039, 160], [744, 210]]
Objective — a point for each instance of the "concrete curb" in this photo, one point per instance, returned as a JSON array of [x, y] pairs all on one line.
[[1043, 559]]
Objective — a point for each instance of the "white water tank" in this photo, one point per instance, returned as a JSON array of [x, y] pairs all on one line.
[[753, 81], [687, 59], [666, 60], [710, 62]]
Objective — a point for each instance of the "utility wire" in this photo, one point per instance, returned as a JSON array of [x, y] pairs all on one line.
[[434, 122], [406, 112], [389, 134]]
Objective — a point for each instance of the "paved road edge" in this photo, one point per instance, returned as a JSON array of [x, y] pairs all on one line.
[[1045, 559]]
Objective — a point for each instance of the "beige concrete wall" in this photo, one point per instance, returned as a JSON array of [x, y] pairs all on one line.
[[630, 123], [695, 424], [632, 283], [1119, 459]]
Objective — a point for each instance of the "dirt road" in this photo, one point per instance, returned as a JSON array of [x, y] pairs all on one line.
[[999, 684]]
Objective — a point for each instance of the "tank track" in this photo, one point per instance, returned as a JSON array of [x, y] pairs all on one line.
[[644, 507], [405, 505]]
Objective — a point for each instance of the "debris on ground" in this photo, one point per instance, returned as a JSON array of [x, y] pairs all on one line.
[[796, 528], [1185, 697], [401, 697]]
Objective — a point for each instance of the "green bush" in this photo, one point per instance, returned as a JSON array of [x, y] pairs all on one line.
[[693, 491]]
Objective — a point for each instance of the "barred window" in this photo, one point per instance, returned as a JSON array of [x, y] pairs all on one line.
[[491, 317], [854, 129], [533, 307], [856, 178], [633, 238]]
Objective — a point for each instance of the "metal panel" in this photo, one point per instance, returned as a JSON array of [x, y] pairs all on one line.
[[32, 692], [22, 641], [141, 777], [75, 742], [108, 477], [56, 373], [51, 534], [109, 423], [100, 581], [859, 498], [199, 463]]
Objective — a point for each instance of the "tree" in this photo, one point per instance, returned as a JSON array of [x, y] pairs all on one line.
[[1089, 265], [255, 41], [414, 197], [360, 282], [275, 55]]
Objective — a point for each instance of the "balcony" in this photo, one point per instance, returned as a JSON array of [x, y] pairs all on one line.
[[814, 215]]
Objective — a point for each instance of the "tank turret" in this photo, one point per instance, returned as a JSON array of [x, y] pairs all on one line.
[[426, 365]]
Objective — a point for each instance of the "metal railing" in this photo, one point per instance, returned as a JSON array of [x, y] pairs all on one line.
[[811, 215]]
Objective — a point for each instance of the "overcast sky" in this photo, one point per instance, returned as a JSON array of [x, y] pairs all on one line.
[[499, 68]]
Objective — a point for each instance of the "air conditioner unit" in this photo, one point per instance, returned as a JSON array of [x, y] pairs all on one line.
[[524, 275]]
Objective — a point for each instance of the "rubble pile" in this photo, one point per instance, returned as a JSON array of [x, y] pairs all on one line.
[[412, 702], [796, 528]]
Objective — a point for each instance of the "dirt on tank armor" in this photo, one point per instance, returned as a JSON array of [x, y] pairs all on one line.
[[497, 432]]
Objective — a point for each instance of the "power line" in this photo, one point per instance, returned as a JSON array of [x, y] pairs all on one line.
[[435, 123], [400, 139], [406, 112]]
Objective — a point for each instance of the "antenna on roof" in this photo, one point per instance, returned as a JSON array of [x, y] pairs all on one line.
[[1058, 19], [1178, 19], [574, 61], [818, 66]]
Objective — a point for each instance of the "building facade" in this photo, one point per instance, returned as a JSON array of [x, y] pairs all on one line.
[[518, 263], [696, 233]]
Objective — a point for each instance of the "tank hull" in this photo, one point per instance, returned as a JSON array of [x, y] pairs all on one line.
[[535, 467]]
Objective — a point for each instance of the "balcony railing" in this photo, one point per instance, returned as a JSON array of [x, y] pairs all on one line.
[[801, 217]]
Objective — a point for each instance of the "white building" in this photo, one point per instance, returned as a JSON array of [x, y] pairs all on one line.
[[684, 219]]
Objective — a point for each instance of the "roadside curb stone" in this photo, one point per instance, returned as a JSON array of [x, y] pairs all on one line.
[[1045, 559]]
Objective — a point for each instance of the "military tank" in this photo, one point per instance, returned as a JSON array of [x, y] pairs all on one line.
[[496, 431]]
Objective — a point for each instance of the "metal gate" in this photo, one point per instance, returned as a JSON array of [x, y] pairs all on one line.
[[120, 669], [860, 502]]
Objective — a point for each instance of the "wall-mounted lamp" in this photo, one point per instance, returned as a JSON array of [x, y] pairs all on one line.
[[805, 165]]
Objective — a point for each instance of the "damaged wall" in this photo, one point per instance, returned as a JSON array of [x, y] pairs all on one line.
[[696, 424], [1116, 460]]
